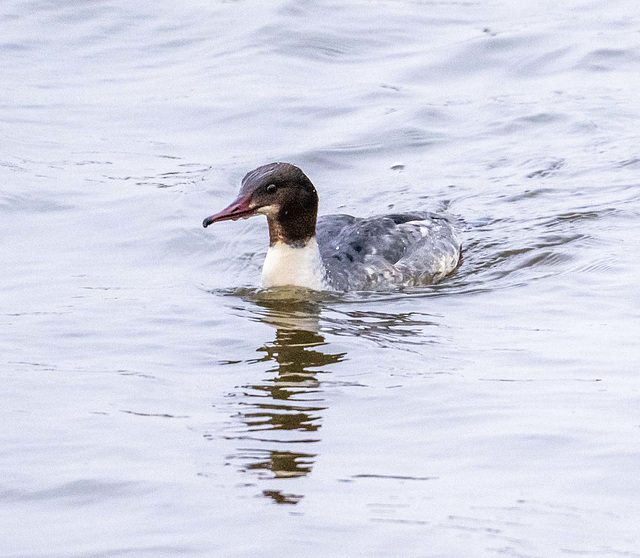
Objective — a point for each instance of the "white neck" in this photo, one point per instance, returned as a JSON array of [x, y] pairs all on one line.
[[299, 267]]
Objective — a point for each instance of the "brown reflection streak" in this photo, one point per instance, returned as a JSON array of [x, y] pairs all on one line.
[[286, 407], [280, 498], [284, 464]]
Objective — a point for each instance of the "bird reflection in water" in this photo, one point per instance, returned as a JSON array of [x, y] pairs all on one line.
[[284, 411], [282, 414]]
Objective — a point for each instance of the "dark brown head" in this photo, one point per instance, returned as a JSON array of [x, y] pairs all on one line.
[[284, 194]]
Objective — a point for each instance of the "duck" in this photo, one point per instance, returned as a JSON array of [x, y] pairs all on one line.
[[340, 252]]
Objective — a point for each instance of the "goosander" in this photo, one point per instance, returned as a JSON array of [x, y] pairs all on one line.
[[339, 252]]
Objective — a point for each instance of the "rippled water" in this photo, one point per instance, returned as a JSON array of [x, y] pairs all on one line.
[[156, 403]]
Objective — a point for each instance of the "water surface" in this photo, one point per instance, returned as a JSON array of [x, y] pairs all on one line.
[[155, 402]]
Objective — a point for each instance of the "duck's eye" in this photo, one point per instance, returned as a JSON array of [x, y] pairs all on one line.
[[271, 188]]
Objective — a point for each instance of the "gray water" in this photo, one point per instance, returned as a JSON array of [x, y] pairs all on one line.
[[156, 403]]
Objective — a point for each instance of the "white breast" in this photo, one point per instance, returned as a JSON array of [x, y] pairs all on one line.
[[300, 267]]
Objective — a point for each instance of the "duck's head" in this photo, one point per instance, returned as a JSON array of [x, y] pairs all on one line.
[[284, 194]]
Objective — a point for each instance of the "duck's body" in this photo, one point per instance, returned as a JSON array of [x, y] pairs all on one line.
[[340, 252], [405, 249]]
